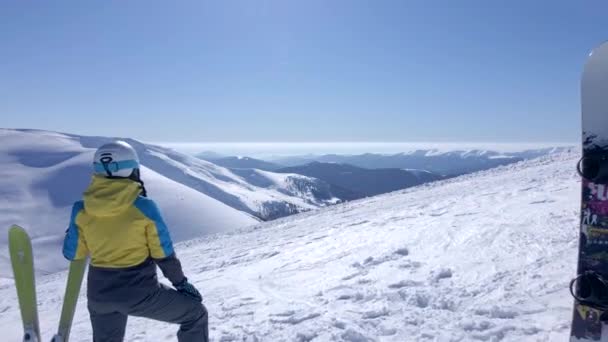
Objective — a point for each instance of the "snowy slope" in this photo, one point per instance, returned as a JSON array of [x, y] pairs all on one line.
[[43, 173], [267, 201], [483, 257], [311, 190]]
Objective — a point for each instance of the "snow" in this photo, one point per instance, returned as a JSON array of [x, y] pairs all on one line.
[[226, 185], [33, 147], [307, 192], [199, 214], [417, 172], [43, 173], [481, 257], [504, 153]]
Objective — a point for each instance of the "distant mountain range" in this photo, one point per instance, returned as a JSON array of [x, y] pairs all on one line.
[[356, 176], [346, 182], [206, 155], [364, 182], [447, 163], [240, 162]]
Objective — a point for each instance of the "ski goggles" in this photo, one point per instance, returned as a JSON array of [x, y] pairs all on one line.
[[115, 166], [594, 168]]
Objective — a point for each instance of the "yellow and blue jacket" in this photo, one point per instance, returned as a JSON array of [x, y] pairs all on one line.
[[123, 232]]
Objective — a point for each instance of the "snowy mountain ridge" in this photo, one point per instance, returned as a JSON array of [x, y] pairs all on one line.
[[480, 257], [468, 153]]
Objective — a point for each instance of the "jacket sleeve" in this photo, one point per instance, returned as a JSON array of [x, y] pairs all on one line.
[[159, 241], [74, 244], [171, 268]]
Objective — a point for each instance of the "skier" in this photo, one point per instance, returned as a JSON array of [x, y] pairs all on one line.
[[125, 235]]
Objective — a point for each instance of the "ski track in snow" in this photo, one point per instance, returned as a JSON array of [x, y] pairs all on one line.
[[482, 257]]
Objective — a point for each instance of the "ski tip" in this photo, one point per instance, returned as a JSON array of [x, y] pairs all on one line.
[[17, 230], [15, 227]]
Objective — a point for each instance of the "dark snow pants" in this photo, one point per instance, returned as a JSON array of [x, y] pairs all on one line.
[[109, 319]]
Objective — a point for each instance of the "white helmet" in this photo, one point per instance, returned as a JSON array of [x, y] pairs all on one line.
[[115, 159]]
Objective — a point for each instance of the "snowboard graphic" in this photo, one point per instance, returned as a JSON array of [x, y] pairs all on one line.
[[590, 287]]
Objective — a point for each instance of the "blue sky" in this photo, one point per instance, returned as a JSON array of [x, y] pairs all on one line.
[[305, 71]]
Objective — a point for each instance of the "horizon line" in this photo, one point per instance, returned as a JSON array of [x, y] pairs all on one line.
[[259, 149], [356, 142]]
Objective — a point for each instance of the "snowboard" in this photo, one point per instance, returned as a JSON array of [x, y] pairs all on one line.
[[70, 299], [590, 287], [22, 261]]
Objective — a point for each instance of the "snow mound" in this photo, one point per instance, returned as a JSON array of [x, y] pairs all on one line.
[[482, 257]]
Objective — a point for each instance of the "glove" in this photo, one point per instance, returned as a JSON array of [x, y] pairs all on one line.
[[188, 289]]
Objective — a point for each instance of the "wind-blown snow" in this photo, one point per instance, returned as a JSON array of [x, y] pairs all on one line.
[[483, 257]]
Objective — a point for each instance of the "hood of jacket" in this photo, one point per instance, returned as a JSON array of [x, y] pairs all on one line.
[[110, 196]]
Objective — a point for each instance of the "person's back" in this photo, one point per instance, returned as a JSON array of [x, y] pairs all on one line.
[[126, 237]]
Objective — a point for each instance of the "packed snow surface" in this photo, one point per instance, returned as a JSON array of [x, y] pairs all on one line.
[[482, 257]]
